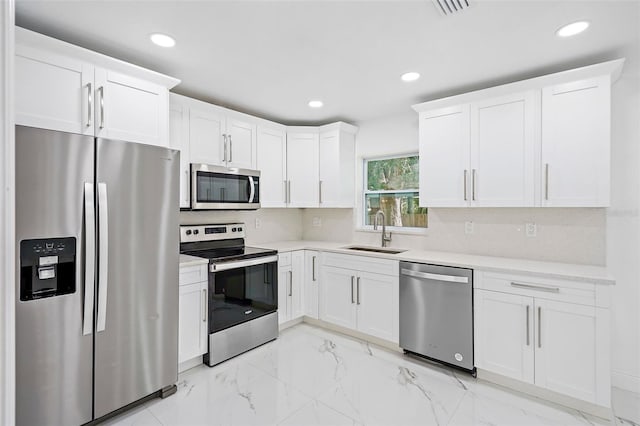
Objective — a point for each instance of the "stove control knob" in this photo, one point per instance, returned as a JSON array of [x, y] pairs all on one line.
[[188, 232], [195, 232], [234, 229], [239, 229]]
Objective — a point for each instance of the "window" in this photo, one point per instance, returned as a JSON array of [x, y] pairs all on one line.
[[391, 186]]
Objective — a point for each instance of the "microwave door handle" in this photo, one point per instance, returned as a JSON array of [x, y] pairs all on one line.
[[252, 188]]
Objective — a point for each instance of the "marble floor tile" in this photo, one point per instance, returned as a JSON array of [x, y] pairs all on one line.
[[626, 405], [310, 376]]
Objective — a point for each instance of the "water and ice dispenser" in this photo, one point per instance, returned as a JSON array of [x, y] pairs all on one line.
[[47, 267]]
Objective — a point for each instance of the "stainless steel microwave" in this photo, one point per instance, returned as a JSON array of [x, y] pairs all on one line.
[[222, 188]]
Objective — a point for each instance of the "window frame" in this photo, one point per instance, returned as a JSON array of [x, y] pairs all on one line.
[[363, 199]]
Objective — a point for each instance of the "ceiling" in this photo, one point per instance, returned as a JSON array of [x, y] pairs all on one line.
[[269, 58]]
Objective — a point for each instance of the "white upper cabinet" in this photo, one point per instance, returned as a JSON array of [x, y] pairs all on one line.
[[179, 139], [272, 163], [337, 166], [131, 109], [67, 88], [503, 147], [206, 128], [303, 169], [444, 157], [538, 142], [241, 143], [575, 143]]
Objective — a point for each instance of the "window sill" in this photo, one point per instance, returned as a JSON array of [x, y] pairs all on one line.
[[395, 230]]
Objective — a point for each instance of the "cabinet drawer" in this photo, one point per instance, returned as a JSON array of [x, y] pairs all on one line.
[[374, 265], [193, 274], [284, 259], [538, 287]]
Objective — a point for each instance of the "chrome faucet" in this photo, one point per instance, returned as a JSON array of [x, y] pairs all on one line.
[[386, 238]]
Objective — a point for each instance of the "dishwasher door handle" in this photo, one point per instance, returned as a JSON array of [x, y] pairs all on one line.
[[437, 277]]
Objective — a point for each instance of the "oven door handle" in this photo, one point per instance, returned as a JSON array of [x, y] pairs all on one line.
[[225, 266], [252, 186]]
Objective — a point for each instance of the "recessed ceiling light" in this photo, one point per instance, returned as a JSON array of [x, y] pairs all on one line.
[[410, 76], [162, 40], [315, 104], [572, 29]]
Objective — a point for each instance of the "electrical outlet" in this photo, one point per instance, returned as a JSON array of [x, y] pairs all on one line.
[[531, 229], [317, 222], [258, 223], [468, 227]]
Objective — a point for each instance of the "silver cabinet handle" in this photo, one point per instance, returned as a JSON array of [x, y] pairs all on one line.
[[286, 200], [186, 193], [89, 104], [473, 184], [313, 268], [224, 159], [352, 298], [289, 190], [358, 290], [528, 339], [204, 305], [320, 192], [435, 277], [290, 283], [465, 184], [546, 181], [230, 149], [539, 327], [101, 90], [90, 260], [536, 287], [103, 255]]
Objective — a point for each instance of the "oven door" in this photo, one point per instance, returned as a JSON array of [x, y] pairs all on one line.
[[220, 188], [243, 290]]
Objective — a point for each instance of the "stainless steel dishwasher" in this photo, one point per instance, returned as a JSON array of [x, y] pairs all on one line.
[[436, 313]]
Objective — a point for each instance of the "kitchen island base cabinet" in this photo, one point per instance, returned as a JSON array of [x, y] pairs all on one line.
[[550, 333]]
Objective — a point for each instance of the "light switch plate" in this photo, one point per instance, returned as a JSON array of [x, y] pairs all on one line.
[[468, 227], [258, 223], [317, 222], [531, 229]]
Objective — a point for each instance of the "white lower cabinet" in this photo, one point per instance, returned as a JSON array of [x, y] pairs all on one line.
[[365, 298], [193, 312], [311, 283], [290, 286], [550, 333]]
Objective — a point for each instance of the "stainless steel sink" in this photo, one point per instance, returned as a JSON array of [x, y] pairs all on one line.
[[374, 249]]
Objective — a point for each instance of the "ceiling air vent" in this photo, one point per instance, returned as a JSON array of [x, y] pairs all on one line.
[[451, 7]]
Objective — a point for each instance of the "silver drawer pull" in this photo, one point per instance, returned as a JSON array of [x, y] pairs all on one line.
[[536, 287], [437, 277]]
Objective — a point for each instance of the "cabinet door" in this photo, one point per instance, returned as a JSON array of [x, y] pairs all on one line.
[[303, 169], [337, 164], [566, 348], [272, 163], [192, 321], [337, 297], [576, 144], [297, 284], [206, 125], [241, 140], [53, 92], [503, 136], [179, 139], [444, 157], [503, 334], [311, 283], [130, 109], [284, 287], [377, 297]]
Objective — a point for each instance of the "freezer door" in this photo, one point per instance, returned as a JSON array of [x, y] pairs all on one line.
[[53, 356], [137, 297]]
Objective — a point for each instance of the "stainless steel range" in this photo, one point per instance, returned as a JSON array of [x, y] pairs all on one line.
[[243, 288]]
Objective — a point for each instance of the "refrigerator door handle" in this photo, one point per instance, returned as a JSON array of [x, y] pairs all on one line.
[[90, 258], [103, 255]]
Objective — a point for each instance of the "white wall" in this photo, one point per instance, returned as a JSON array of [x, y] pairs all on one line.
[[275, 224], [7, 233], [623, 226]]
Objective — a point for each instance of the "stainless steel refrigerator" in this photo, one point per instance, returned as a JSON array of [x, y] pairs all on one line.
[[97, 272]]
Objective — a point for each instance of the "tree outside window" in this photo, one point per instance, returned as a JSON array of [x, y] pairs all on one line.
[[391, 185]]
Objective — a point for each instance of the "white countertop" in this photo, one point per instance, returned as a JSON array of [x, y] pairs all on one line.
[[186, 260], [567, 271]]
